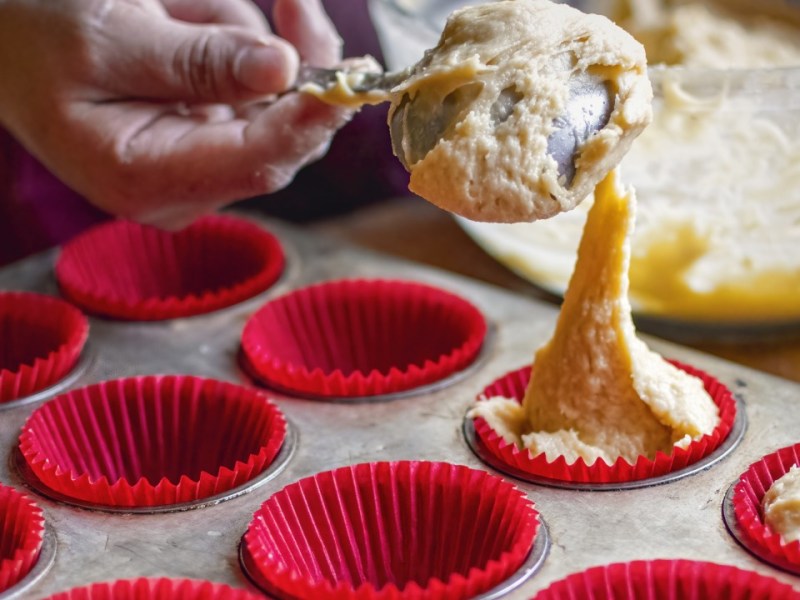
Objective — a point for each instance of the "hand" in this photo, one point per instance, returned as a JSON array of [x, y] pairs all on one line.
[[158, 110]]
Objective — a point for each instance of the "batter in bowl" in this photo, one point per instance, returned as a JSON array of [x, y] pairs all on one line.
[[710, 35]]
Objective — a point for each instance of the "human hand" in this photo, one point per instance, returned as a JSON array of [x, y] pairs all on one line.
[[158, 110]]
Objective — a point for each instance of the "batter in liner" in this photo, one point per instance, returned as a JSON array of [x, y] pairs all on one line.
[[596, 390], [781, 506]]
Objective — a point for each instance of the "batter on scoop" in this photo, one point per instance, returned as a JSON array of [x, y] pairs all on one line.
[[472, 122], [596, 390], [485, 100]]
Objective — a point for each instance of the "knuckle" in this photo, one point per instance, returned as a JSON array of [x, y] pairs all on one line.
[[318, 152], [202, 64], [270, 178]]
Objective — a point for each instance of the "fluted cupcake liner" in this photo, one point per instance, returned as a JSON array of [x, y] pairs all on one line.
[[514, 384], [151, 440], [361, 338], [747, 498], [41, 339], [402, 530], [155, 589], [125, 270], [668, 580], [21, 536]]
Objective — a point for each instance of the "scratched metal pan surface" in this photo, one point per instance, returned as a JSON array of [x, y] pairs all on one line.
[[680, 518]]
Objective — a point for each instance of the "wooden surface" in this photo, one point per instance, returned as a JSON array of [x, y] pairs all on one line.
[[413, 229]]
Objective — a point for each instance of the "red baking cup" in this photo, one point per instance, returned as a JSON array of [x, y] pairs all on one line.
[[361, 338], [747, 497], [410, 530], [151, 441], [155, 589], [21, 536], [129, 271], [41, 338], [514, 384], [668, 580]]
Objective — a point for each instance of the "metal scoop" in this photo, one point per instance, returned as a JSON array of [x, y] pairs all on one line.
[[367, 81], [589, 108]]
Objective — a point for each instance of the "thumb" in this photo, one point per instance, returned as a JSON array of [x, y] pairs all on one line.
[[174, 60]]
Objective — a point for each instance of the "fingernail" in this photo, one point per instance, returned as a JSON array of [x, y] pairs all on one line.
[[264, 69]]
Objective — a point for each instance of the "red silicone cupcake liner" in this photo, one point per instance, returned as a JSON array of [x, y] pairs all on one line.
[[41, 339], [668, 580], [155, 589], [747, 497], [514, 384], [410, 530], [361, 338], [151, 441], [125, 270], [21, 536]]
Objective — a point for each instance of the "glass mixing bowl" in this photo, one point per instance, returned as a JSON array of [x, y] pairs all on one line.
[[717, 177]]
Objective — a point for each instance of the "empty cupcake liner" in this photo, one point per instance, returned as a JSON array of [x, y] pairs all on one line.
[[151, 440], [125, 270], [41, 339], [668, 580], [410, 530], [748, 493], [21, 536], [514, 384], [155, 589], [354, 338]]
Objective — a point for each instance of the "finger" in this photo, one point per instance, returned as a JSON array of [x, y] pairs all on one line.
[[169, 167], [209, 113], [223, 12], [305, 25], [174, 60], [174, 217], [292, 132]]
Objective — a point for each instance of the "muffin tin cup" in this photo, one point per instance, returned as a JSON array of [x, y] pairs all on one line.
[[21, 536], [124, 270], [151, 441], [391, 530], [507, 457], [287, 450], [361, 338], [155, 589], [667, 579], [744, 516], [533, 562], [41, 339]]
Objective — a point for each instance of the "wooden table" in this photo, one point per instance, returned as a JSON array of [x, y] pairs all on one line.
[[413, 229]]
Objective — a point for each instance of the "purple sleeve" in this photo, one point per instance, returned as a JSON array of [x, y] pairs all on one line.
[[36, 209]]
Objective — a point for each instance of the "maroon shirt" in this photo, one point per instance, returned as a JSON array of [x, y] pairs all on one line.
[[38, 211]]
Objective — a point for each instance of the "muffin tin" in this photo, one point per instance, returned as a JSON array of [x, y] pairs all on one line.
[[200, 540]]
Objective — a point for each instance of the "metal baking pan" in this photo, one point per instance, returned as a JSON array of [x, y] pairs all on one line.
[[675, 519]]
